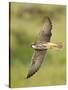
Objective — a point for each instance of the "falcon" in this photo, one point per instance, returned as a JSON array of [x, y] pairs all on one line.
[[41, 45]]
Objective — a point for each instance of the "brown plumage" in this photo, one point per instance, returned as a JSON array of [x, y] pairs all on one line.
[[41, 46], [39, 54]]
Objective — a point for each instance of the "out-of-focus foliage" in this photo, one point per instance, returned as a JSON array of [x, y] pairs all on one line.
[[26, 20]]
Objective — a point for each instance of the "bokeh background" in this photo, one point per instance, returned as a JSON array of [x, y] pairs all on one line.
[[26, 20]]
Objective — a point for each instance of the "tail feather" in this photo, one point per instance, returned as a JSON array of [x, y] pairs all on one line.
[[59, 45], [54, 45]]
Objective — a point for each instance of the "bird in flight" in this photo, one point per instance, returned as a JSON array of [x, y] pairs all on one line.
[[41, 45]]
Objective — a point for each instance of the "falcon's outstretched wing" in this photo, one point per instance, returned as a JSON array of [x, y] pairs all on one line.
[[38, 55]]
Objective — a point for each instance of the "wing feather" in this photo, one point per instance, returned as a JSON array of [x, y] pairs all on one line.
[[38, 55]]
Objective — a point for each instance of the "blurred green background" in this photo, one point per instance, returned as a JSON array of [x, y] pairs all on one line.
[[26, 20]]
